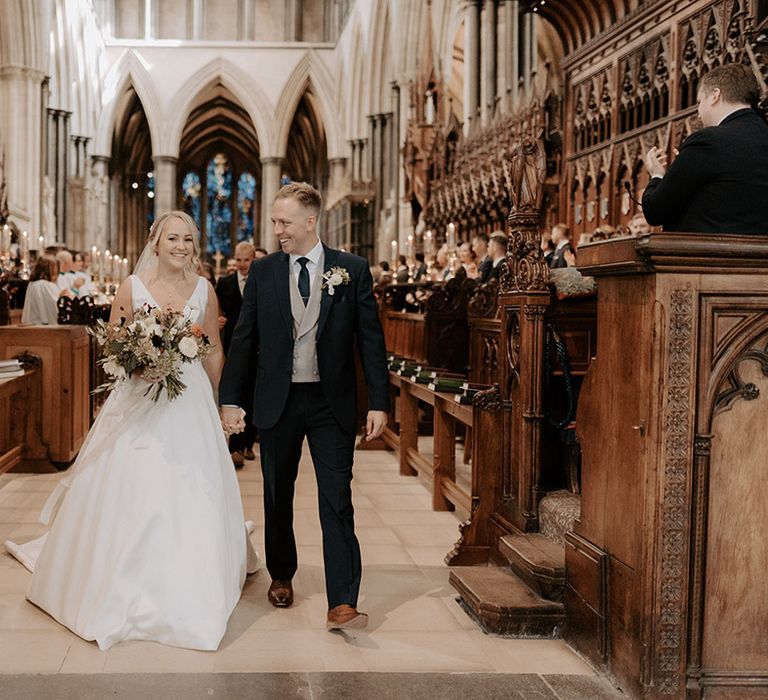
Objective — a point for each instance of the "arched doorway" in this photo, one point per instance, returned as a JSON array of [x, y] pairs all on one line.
[[132, 176], [219, 172]]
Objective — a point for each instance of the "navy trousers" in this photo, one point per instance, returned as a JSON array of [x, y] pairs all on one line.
[[307, 413]]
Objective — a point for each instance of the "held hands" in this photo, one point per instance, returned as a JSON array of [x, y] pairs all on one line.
[[222, 321], [375, 424], [232, 419]]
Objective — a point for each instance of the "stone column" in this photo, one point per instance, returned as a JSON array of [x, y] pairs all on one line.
[[270, 184], [246, 28], [337, 168], [511, 50], [527, 32], [98, 219], [166, 196], [471, 63], [197, 19], [488, 86]]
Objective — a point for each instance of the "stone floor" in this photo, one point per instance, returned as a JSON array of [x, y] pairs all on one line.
[[419, 641]]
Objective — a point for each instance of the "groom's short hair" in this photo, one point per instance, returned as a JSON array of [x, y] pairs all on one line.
[[304, 193]]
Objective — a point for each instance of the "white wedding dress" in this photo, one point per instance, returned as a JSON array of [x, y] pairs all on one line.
[[148, 540]]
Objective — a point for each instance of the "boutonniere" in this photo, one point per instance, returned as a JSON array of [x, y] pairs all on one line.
[[335, 277]]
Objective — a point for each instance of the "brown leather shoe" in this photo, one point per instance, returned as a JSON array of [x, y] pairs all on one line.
[[248, 454], [346, 617], [280, 594], [238, 460]]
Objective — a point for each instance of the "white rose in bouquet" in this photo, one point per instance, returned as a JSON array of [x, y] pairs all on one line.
[[188, 347], [113, 369]]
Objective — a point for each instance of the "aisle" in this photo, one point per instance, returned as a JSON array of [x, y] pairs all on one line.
[[416, 624]]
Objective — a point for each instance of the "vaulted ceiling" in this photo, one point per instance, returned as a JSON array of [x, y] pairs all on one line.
[[219, 123], [579, 21]]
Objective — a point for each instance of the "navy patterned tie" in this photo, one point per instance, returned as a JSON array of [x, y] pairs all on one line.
[[304, 280]]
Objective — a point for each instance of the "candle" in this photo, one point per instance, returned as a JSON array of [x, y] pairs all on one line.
[[5, 240], [428, 243], [394, 253], [451, 236], [24, 243], [125, 268], [97, 263], [115, 269], [409, 247]]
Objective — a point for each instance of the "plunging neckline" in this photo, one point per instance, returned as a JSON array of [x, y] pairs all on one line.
[[186, 303]]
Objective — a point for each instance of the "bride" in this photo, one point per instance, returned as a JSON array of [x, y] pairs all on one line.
[[147, 540]]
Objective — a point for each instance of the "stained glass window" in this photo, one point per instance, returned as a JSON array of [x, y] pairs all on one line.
[[219, 219], [246, 196], [190, 194]]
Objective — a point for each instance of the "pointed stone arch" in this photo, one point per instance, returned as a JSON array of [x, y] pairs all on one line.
[[311, 71], [128, 71], [242, 87]]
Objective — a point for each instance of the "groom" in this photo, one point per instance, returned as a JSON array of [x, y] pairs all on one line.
[[303, 310]]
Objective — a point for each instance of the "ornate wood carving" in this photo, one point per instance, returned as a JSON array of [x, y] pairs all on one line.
[[488, 400], [674, 532], [485, 301], [733, 387], [526, 269]]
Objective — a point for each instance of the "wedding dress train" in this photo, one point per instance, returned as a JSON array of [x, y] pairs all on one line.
[[147, 540]]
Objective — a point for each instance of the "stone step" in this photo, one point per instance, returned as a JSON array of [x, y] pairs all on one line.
[[538, 561], [503, 604]]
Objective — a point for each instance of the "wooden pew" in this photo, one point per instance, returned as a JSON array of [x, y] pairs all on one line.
[[20, 420], [64, 352]]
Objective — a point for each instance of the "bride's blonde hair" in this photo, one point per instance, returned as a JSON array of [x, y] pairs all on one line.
[[157, 230]]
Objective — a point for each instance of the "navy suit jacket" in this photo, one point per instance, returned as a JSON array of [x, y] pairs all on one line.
[[264, 337], [230, 302], [718, 183]]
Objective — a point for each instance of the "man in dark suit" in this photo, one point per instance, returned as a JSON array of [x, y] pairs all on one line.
[[480, 249], [561, 239], [304, 309], [718, 183], [229, 291], [497, 250]]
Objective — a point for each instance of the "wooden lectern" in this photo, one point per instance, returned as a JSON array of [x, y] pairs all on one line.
[[665, 587]]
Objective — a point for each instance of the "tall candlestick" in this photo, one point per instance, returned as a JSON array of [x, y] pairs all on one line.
[[428, 243], [394, 255], [5, 240], [40, 244], [451, 236]]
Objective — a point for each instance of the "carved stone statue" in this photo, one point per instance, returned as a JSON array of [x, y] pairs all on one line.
[[529, 169]]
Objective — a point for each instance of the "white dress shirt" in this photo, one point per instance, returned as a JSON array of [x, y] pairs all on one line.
[[313, 266], [241, 280]]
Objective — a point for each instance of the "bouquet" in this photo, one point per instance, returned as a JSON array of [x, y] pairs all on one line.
[[157, 343]]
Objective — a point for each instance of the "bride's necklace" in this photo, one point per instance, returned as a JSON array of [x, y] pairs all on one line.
[[167, 293]]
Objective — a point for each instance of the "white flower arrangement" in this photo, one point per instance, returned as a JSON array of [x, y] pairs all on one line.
[[335, 277]]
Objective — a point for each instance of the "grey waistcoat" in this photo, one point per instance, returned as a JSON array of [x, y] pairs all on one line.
[[305, 320]]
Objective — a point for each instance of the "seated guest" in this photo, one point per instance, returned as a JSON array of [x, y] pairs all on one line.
[[561, 239], [231, 266], [67, 279], [468, 260], [547, 247], [497, 249], [40, 303], [402, 274], [638, 226], [383, 273], [259, 253], [440, 268], [80, 269], [421, 268], [480, 249]]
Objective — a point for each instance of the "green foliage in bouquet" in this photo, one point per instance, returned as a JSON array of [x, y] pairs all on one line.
[[155, 345]]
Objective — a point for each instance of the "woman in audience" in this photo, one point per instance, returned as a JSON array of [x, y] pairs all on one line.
[[40, 303], [468, 260]]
